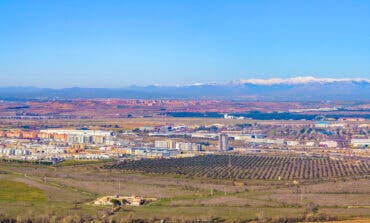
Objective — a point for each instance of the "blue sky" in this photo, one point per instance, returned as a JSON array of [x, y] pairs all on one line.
[[111, 43]]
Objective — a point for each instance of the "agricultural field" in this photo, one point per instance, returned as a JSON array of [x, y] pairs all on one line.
[[64, 193], [248, 167], [18, 191]]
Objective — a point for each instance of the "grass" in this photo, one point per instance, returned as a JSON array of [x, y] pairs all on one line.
[[367, 220], [17, 191], [199, 213], [80, 162], [68, 190]]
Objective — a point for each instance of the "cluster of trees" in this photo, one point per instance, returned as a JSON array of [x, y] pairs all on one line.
[[247, 167]]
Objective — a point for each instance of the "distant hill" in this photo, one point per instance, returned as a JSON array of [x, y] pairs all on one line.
[[292, 89]]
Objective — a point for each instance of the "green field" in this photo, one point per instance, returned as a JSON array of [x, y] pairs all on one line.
[[16, 191], [64, 193], [79, 162]]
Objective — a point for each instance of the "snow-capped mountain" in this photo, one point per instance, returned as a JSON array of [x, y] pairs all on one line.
[[298, 80], [275, 89]]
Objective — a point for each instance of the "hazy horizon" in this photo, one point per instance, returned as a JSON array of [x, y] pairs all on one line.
[[255, 81]]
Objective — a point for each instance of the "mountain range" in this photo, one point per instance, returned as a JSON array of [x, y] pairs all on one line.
[[276, 89]]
